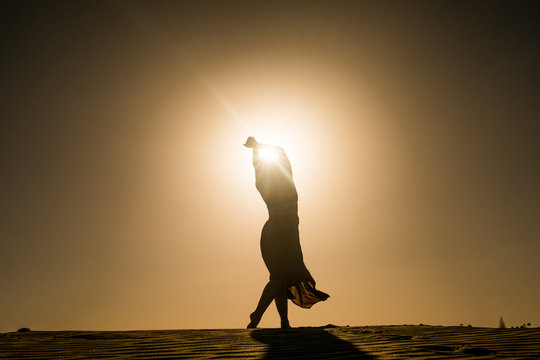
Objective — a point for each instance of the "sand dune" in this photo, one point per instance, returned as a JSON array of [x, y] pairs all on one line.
[[370, 342]]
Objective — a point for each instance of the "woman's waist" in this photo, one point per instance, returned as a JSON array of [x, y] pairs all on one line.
[[283, 208]]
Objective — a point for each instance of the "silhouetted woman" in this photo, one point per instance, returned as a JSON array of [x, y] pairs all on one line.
[[280, 242]]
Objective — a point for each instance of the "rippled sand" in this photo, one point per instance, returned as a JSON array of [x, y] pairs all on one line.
[[370, 342]]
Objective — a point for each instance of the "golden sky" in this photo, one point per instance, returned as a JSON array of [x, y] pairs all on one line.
[[128, 201]]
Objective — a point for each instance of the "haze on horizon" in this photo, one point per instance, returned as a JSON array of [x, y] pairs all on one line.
[[128, 201]]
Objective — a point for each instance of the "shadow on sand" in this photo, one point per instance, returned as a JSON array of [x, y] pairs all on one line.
[[306, 343]]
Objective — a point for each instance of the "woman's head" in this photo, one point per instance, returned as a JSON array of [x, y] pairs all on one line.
[[251, 142]]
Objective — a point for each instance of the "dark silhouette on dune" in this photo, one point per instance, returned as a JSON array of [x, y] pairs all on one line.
[[306, 343], [280, 241]]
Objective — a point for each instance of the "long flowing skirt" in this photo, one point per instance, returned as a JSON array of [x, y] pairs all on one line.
[[282, 254]]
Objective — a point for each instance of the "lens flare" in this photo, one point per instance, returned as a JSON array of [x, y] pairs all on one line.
[[268, 154]]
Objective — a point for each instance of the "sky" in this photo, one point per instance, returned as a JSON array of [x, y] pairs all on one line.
[[128, 201]]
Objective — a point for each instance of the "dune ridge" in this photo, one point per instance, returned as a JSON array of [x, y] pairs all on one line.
[[368, 342]]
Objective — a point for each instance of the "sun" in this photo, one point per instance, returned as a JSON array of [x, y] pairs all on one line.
[[268, 154]]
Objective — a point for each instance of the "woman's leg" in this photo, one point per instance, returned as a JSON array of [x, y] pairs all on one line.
[[281, 305], [269, 293]]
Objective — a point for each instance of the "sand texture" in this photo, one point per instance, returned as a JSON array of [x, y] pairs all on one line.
[[370, 342]]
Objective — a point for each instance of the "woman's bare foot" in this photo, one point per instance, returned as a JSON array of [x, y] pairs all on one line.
[[254, 321], [285, 324]]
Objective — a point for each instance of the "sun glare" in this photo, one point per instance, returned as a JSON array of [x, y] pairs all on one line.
[[268, 154]]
